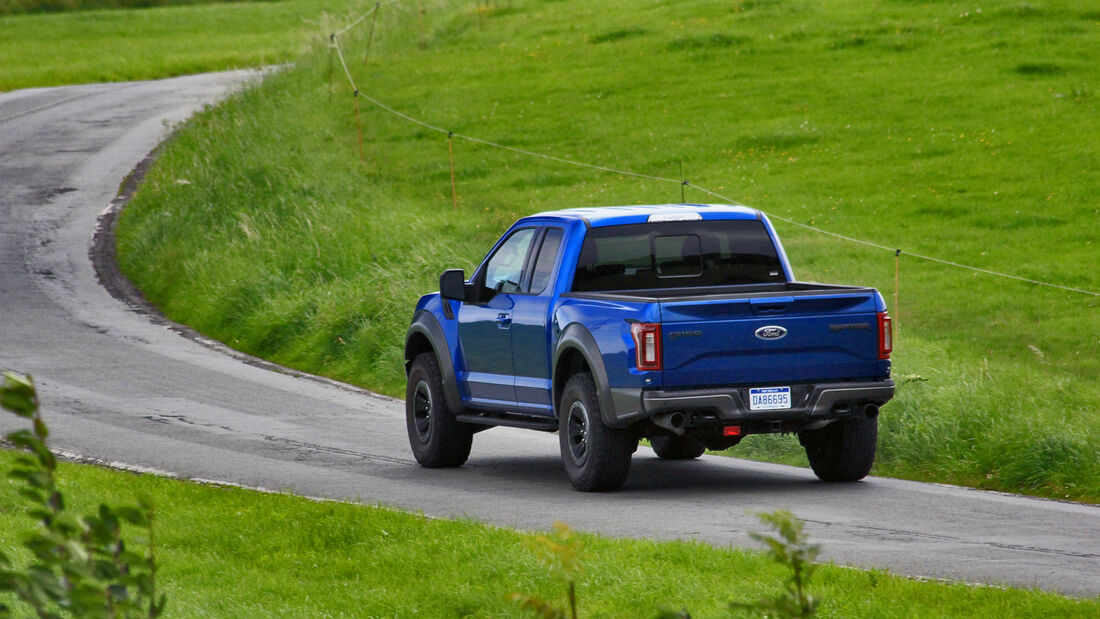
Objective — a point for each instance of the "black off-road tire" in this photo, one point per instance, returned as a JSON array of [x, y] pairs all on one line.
[[596, 457], [842, 450], [677, 447], [436, 438]]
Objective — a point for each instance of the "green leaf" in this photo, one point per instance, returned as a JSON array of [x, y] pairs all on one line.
[[46, 580], [540, 607], [57, 502], [40, 429], [39, 479], [24, 460], [18, 396], [109, 519], [156, 609], [33, 495], [21, 438], [145, 584], [133, 515], [90, 600], [118, 592]]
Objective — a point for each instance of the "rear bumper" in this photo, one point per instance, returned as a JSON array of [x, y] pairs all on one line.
[[809, 401]]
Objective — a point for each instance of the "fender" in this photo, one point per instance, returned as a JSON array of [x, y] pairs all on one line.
[[576, 337], [426, 324]]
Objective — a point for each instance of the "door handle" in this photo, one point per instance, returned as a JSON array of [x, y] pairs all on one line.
[[504, 320]]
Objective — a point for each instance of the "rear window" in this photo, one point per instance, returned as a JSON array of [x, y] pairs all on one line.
[[677, 254]]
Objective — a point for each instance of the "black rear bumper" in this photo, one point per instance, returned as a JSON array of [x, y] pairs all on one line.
[[809, 402]]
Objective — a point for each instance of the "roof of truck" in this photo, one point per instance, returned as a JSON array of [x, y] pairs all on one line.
[[620, 215]]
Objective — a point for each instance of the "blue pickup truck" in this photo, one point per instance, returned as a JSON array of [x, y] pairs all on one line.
[[682, 324]]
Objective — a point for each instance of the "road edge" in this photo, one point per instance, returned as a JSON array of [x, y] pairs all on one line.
[[103, 255]]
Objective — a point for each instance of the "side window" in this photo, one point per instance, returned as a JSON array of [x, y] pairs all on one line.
[[504, 272], [548, 254]]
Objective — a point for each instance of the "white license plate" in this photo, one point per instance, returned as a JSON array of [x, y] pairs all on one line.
[[769, 398]]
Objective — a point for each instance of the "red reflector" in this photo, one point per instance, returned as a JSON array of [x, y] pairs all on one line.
[[731, 431]]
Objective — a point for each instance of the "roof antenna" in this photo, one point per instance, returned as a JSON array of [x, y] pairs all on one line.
[[683, 182]]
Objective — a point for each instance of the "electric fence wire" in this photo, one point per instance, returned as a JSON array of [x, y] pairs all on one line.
[[907, 253], [340, 55], [513, 149], [336, 44], [358, 21]]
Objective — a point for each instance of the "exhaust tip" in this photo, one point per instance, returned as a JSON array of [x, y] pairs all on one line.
[[674, 422], [870, 411]]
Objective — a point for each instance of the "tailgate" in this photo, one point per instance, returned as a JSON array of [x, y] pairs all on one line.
[[770, 340]]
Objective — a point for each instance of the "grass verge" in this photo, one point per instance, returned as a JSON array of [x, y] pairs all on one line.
[[120, 45], [929, 127], [17, 7], [232, 552]]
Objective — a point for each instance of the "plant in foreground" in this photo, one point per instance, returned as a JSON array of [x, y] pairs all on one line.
[[792, 549], [80, 566], [561, 551]]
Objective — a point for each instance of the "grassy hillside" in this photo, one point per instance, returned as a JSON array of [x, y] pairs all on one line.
[[112, 45], [13, 7], [938, 128], [225, 552]]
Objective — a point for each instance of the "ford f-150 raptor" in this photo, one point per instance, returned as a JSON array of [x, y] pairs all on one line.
[[682, 324]]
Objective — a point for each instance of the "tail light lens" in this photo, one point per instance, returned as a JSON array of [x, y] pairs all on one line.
[[885, 336], [647, 345]]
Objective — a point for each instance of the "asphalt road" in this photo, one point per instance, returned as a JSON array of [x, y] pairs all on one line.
[[120, 385]]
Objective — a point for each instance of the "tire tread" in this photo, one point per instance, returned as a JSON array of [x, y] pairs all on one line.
[[450, 440], [609, 449]]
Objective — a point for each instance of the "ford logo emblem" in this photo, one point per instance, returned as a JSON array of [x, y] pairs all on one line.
[[771, 333]]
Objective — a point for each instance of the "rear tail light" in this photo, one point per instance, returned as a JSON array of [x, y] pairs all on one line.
[[647, 345], [885, 336]]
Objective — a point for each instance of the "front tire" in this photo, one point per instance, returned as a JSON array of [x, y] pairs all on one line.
[[677, 447], [436, 438], [596, 457], [842, 450]]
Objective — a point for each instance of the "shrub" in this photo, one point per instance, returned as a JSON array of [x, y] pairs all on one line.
[[80, 566]]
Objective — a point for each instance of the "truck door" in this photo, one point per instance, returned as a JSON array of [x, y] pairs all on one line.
[[530, 328], [485, 328]]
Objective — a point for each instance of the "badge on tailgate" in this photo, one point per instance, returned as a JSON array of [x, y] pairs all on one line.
[[771, 332]]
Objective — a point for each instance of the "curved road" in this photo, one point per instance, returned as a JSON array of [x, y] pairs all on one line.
[[119, 385]]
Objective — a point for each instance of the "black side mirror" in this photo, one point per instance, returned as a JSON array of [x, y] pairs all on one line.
[[452, 284]]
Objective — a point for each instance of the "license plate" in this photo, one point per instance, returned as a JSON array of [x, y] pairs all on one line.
[[769, 398]]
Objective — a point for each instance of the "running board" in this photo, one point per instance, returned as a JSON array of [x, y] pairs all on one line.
[[530, 423]]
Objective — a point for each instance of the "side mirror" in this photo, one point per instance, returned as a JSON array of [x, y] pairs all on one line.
[[452, 284]]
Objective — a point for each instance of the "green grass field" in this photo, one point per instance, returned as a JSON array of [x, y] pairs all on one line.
[[118, 45], [19, 7], [937, 128], [226, 552]]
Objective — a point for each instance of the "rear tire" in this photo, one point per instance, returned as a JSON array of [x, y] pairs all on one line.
[[677, 447], [596, 457], [842, 450], [436, 438]]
